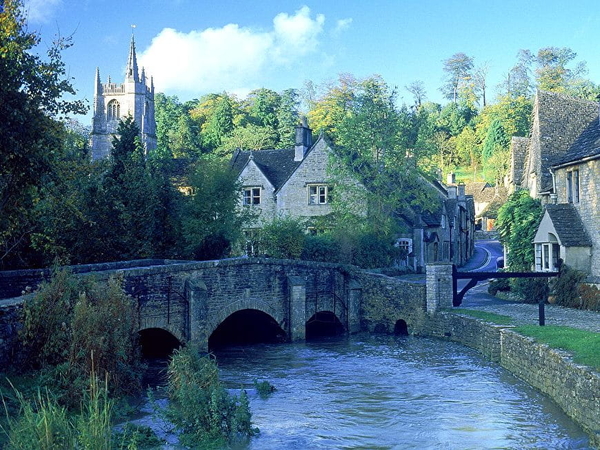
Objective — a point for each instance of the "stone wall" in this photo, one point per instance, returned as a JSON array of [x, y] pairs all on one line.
[[575, 388], [386, 300], [10, 323]]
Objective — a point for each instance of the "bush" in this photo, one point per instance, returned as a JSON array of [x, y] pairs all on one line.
[[565, 287], [590, 297], [74, 327], [283, 238], [500, 284], [205, 414], [530, 290], [321, 247]]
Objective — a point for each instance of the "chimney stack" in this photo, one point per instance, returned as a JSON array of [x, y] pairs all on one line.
[[452, 192], [303, 140], [461, 191], [451, 178]]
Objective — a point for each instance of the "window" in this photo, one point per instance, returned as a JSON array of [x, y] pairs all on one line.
[[573, 186], [252, 196], [113, 110], [405, 247], [318, 194]]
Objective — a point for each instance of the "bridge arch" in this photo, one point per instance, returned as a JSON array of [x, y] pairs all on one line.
[[247, 326], [158, 342], [324, 323]]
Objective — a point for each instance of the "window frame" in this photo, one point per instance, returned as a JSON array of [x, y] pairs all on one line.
[[252, 196], [321, 194]]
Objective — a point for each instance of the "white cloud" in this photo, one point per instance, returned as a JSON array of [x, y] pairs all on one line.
[[341, 25], [41, 11], [229, 58]]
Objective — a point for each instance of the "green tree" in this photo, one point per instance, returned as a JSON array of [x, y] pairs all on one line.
[[211, 220], [31, 101], [517, 223], [458, 73], [288, 117]]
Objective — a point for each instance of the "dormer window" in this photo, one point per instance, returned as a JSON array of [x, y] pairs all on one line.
[[252, 196], [318, 194]]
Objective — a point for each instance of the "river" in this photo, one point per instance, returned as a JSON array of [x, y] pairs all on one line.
[[383, 392]]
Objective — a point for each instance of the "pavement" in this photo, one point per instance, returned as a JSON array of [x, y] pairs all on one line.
[[521, 313]]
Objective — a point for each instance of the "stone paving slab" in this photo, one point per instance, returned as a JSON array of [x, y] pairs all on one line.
[[527, 314]]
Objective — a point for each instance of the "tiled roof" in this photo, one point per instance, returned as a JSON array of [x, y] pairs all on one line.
[[568, 225], [276, 165], [586, 145]]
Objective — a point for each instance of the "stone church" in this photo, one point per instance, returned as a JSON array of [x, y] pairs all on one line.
[[115, 101]]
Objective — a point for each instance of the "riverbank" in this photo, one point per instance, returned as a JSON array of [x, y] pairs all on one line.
[[573, 387]]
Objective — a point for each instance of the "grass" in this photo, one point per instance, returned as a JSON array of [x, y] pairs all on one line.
[[498, 319], [583, 345]]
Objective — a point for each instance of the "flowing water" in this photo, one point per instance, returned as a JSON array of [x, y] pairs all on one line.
[[392, 393]]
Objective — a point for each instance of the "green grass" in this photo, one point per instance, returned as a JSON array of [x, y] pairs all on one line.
[[583, 345], [498, 319]]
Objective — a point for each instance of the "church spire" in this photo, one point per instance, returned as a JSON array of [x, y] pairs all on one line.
[[132, 67]]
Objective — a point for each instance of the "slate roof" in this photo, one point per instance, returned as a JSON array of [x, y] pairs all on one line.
[[568, 225], [585, 146], [276, 165]]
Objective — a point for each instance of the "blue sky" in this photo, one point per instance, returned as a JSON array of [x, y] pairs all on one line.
[[194, 47]]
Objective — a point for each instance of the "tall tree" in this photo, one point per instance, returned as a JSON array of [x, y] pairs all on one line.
[[459, 71], [287, 117], [31, 101], [417, 89]]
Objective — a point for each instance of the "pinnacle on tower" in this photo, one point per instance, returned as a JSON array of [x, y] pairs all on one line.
[[132, 67]]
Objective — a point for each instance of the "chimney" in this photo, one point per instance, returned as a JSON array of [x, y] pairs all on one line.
[[554, 198], [461, 191], [303, 140], [451, 191], [451, 178]]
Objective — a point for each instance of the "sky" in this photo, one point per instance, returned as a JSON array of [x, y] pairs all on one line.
[[195, 47]]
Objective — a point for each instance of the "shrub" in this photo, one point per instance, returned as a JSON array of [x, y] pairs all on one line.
[[500, 284], [283, 238], [530, 290], [74, 327], [205, 414], [264, 388], [565, 287], [590, 297], [321, 247]]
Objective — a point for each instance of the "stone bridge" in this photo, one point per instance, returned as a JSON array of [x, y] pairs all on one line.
[[190, 301]]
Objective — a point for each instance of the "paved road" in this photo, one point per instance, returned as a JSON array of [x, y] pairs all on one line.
[[522, 313]]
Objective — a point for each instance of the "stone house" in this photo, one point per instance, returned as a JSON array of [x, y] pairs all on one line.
[[295, 182], [487, 200], [562, 168]]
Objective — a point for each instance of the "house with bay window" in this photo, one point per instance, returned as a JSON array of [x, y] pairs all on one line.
[[561, 166]]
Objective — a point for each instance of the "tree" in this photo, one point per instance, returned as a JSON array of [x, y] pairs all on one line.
[[552, 73], [31, 101], [517, 223], [417, 89], [211, 220], [518, 82], [458, 69], [288, 117]]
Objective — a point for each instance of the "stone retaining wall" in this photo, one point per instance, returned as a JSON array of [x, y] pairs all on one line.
[[575, 388]]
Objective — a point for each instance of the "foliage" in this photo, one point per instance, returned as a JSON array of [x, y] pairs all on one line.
[[583, 345], [200, 407], [135, 436], [530, 290], [42, 423], [517, 223], [590, 297], [32, 98], [75, 327], [565, 287], [283, 238], [264, 388], [500, 284], [211, 219], [321, 247], [458, 69]]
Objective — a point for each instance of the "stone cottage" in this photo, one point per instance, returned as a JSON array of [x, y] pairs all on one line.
[[294, 182], [487, 200], [562, 168]]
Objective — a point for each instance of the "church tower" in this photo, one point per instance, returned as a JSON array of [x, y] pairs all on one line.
[[115, 101]]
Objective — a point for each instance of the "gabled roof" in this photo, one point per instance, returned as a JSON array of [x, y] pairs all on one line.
[[276, 165], [587, 145], [568, 225], [560, 120]]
